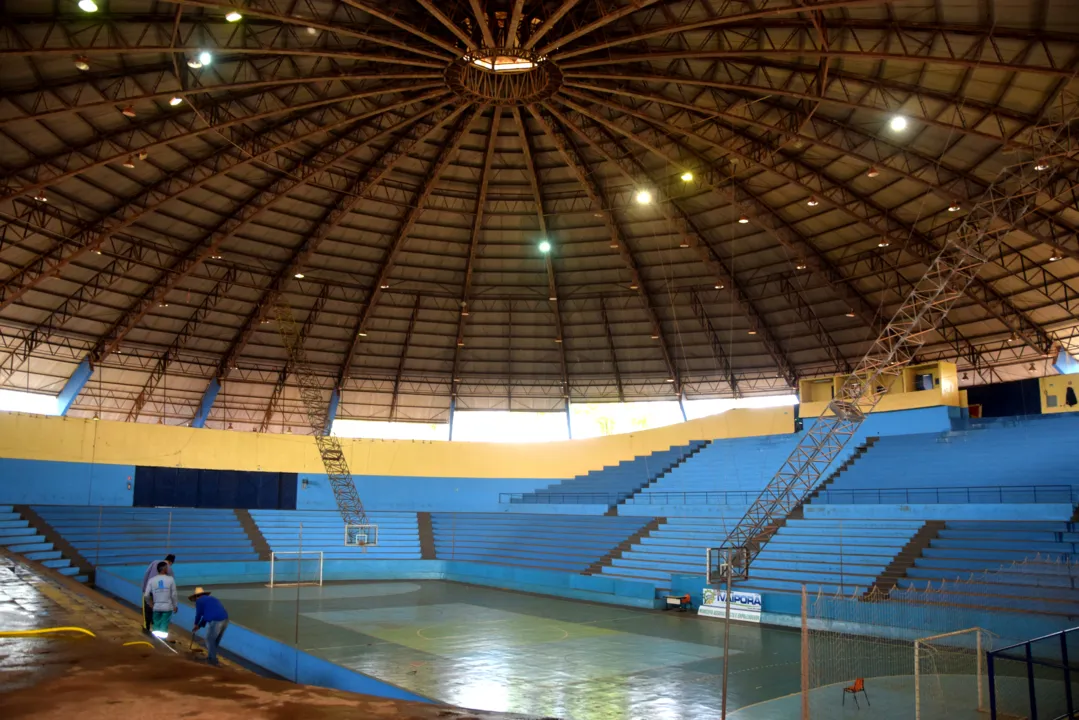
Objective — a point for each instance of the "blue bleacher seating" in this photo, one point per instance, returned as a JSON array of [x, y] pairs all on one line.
[[324, 530], [17, 536]]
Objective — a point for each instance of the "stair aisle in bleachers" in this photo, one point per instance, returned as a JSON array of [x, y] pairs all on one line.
[[612, 484], [324, 530], [18, 536], [552, 542], [124, 535]]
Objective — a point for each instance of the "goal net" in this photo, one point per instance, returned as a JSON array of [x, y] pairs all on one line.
[[950, 676], [289, 568]]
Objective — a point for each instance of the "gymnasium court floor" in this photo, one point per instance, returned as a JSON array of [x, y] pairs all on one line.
[[506, 651]]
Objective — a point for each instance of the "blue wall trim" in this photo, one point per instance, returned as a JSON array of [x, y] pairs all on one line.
[[206, 404], [44, 482], [74, 386]]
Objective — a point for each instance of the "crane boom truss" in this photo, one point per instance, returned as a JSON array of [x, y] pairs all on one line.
[[317, 409], [1011, 197]]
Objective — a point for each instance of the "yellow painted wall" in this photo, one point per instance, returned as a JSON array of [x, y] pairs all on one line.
[[1057, 386], [816, 392], [36, 437]]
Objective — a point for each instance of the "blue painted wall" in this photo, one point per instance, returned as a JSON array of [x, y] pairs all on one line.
[[41, 482], [390, 492]]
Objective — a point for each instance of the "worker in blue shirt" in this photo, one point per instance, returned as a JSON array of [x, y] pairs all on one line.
[[211, 614]]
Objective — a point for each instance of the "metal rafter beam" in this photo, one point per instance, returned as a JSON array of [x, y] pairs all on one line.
[[603, 20], [842, 197], [761, 215], [388, 14], [107, 34], [976, 47], [279, 386], [480, 14], [477, 221], [610, 347], [553, 296], [719, 353], [88, 237], [180, 339], [340, 19], [159, 131], [633, 170], [947, 184], [793, 290], [404, 356], [261, 201], [595, 194], [46, 103], [764, 10], [450, 146], [552, 20], [432, 7], [514, 24], [376, 173]]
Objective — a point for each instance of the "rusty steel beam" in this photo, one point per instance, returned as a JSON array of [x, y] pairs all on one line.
[[760, 215], [792, 289], [843, 198], [552, 20], [480, 14], [946, 184], [338, 19], [719, 353], [600, 205], [477, 222], [602, 21], [541, 218], [450, 146], [104, 34], [610, 348], [432, 7], [180, 339], [279, 386], [976, 47], [691, 237], [514, 23], [92, 236], [159, 131], [376, 173], [404, 356], [387, 13], [237, 220], [762, 11], [44, 100]]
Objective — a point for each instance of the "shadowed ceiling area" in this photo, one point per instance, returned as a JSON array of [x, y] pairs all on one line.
[[513, 204]]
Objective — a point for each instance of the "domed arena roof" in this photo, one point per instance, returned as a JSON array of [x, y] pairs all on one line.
[[512, 204]]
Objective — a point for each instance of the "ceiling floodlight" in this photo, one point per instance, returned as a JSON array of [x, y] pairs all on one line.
[[643, 197], [298, 276], [88, 5], [234, 16], [205, 57], [175, 100], [898, 123], [687, 176], [545, 247]]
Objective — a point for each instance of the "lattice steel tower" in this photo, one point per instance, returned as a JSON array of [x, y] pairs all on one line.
[[1012, 196]]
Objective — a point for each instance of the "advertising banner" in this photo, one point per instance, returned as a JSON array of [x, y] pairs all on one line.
[[745, 606]]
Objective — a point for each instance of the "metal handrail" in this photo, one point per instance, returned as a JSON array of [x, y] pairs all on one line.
[[989, 494]]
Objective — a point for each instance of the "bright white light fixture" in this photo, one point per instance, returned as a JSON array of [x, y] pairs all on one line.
[[504, 63], [194, 63], [883, 242], [82, 63], [1056, 255], [175, 100], [545, 247], [812, 201], [743, 220], [954, 207], [643, 197], [298, 276], [1040, 167], [898, 123], [88, 5], [687, 176], [234, 16], [205, 57]]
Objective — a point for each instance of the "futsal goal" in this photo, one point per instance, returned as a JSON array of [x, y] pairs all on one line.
[[950, 673], [289, 568]]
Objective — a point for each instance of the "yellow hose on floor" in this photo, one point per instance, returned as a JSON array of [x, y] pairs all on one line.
[[138, 642], [44, 631]]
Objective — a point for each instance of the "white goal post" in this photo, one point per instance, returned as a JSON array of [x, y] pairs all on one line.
[[959, 654], [289, 568]]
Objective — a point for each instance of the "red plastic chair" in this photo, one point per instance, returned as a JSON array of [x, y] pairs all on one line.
[[857, 687]]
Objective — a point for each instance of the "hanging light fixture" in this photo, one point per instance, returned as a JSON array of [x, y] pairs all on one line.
[[1041, 166], [298, 276], [130, 162], [812, 201], [743, 220], [850, 313], [898, 123], [719, 286], [175, 100], [1032, 369], [633, 286], [801, 265], [205, 57], [883, 242], [545, 246], [82, 62], [143, 154], [40, 196], [687, 176], [643, 197], [234, 16], [872, 172], [194, 63], [684, 243], [954, 207], [1055, 255], [88, 5], [128, 111]]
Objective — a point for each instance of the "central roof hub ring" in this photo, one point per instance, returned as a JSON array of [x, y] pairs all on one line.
[[503, 76]]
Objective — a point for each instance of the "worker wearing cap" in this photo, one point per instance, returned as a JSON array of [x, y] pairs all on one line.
[[211, 614]]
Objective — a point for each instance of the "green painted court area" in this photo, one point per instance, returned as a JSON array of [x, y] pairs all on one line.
[[498, 650]]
